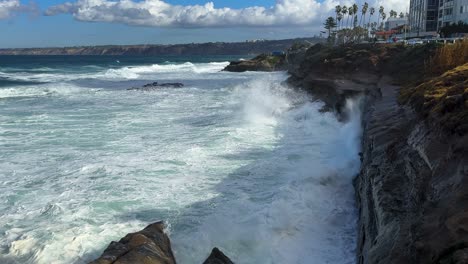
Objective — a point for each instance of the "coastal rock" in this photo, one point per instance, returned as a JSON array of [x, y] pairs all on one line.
[[148, 246], [262, 62], [412, 191], [413, 187], [155, 85], [217, 257]]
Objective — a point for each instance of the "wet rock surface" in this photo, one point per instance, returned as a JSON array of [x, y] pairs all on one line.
[[149, 246], [262, 62], [412, 191], [217, 257], [155, 86]]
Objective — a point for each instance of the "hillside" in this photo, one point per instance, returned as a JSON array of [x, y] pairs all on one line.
[[212, 48]]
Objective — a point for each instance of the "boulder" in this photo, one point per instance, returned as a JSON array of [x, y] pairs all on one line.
[[262, 62], [217, 257], [148, 246], [155, 85]]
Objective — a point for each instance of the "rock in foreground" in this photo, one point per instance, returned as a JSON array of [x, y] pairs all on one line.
[[217, 257], [149, 246], [262, 62]]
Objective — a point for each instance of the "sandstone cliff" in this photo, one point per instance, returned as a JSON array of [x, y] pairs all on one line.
[[413, 187]]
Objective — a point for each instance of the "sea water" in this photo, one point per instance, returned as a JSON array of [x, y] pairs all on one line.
[[232, 160]]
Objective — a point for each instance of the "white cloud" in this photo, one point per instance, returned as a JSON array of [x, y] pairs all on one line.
[[158, 13], [7, 7], [10, 7]]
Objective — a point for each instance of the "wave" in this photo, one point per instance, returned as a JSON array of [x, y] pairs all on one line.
[[42, 90], [188, 67], [123, 73], [295, 202], [6, 82]]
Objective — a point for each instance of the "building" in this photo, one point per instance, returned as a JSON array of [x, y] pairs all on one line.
[[426, 17], [394, 22], [452, 11], [423, 17]]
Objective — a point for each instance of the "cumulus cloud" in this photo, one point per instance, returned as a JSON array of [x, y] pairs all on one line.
[[158, 13], [10, 7]]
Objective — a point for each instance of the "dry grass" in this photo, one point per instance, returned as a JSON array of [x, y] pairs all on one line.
[[448, 57], [443, 100]]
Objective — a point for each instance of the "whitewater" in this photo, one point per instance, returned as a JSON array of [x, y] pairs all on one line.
[[231, 160]]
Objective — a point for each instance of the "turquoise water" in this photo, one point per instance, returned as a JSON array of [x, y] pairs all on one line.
[[233, 160]]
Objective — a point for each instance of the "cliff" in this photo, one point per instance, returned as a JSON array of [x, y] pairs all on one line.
[[212, 48], [412, 191]]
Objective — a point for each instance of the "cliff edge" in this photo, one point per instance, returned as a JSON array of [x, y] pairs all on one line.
[[412, 191]]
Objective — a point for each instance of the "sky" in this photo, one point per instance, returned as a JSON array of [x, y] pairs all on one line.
[[60, 23]]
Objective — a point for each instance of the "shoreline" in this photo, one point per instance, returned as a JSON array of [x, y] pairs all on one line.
[[410, 192]]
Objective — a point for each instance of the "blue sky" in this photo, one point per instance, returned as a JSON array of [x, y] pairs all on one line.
[[45, 23]]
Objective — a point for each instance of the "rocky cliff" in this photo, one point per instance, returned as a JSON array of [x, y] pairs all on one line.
[[412, 191]]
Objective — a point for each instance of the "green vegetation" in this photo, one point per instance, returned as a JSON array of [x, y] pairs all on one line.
[[443, 99]]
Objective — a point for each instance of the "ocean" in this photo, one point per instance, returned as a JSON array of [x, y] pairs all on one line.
[[233, 160]]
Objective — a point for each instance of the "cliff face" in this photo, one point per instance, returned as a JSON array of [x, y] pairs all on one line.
[[413, 188], [412, 191]]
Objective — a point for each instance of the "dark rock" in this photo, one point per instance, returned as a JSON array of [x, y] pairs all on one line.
[[412, 192], [217, 257], [262, 62], [155, 85], [148, 246]]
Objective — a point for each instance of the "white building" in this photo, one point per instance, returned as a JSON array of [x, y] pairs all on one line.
[[452, 11], [426, 17], [423, 17]]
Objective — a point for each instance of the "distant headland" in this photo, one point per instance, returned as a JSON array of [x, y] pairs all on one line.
[[252, 47]]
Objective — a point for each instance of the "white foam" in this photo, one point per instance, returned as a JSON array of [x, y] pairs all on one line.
[[251, 167], [49, 89]]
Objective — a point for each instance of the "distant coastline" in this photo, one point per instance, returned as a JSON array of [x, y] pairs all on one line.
[[210, 48]]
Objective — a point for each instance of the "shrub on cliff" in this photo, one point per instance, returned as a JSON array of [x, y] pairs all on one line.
[[443, 100]]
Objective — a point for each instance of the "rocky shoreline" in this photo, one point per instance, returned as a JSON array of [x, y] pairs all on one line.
[[149, 246], [412, 191], [413, 186]]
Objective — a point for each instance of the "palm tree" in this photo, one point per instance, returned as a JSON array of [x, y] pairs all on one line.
[[384, 16], [344, 11], [402, 15], [363, 12], [350, 14], [337, 13], [330, 24], [339, 18], [381, 11], [371, 13], [355, 12]]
